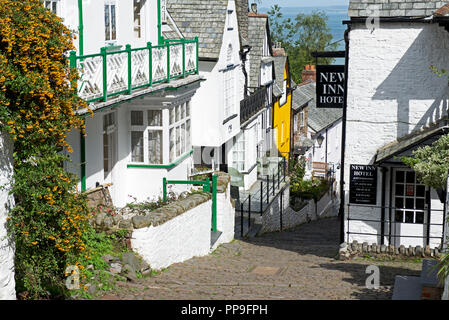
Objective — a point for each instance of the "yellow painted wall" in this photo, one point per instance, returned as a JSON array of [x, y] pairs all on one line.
[[282, 117]]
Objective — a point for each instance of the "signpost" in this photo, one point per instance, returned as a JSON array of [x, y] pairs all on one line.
[[330, 86], [363, 184]]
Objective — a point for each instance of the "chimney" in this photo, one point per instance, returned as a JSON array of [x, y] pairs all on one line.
[[309, 74], [242, 9]]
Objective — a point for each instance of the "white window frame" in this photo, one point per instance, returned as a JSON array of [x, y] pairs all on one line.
[[111, 129], [113, 28], [138, 18], [181, 125], [301, 120], [53, 4], [239, 141], [284, 94]]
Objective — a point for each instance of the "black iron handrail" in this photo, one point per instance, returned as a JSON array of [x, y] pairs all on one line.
[[253, 104]]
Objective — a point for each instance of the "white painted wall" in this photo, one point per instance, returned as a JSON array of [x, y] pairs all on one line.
[[208, 104], [225, 218], [94, 23], [7, 282], [184, 237], [391, 93]]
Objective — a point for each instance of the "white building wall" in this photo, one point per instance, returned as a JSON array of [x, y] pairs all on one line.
[[94, 23], [391, 93], [7, 282], [208, 105]]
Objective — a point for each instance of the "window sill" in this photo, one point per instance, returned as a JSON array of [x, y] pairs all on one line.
[[161, 166], [230, 118]]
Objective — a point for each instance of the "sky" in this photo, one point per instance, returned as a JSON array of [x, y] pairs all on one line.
[[302, 3]]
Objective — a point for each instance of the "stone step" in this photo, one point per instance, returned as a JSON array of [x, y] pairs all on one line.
[[429, 273], [407, 288]]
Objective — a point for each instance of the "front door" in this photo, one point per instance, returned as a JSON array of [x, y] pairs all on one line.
[[410, 209]]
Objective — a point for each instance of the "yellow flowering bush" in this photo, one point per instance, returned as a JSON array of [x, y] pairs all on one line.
[[38, 109]]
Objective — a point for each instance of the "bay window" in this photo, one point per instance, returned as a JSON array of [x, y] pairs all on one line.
[[108, 143], [238, 152], [148, 134]]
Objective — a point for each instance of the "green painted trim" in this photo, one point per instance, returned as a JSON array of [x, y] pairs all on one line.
[[161, 166], [81, 27], [130, 87], [214, 203], [83, 162], [159, 24], [105, 75]]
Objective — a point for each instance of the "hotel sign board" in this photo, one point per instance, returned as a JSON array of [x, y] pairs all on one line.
[[330, 86], [363, 184]]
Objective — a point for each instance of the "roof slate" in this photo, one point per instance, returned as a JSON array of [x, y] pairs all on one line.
[[318, 118], [204, 19], [256, 31], [279, 69], [394, 8]]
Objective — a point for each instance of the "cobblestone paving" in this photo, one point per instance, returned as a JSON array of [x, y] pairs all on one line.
[[295, 265]]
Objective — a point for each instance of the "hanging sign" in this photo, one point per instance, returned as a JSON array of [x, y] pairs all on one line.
[[363, 184], [330, 86]]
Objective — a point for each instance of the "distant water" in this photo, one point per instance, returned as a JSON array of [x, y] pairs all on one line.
[[336, 15]]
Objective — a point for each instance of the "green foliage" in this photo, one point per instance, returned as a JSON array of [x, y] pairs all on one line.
[[37, 110], [306, 189], [431, 163], [300, 37]]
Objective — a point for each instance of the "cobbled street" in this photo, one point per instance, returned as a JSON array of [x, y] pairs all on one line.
[[296, 264]]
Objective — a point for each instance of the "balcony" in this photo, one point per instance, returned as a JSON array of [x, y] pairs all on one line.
[[108, 74], [253, 104]]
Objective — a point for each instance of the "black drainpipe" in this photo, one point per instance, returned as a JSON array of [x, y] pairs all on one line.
[[343, 141], [243, 56], [384, 187]]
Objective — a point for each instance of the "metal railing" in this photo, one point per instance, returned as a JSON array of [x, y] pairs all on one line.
[[107, 74], [257, 202], [207, 187], [253, 104], [386, 226]]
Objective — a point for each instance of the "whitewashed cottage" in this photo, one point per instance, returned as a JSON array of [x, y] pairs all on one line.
[[139, 76], [395, 104], [253, 144], [215, 111]]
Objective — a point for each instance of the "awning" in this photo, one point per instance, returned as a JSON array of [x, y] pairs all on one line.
[[406, 145]]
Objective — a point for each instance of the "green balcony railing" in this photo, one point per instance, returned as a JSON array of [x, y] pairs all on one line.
[[109, 74]]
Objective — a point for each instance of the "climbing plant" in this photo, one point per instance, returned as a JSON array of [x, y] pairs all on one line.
[[38, 108]]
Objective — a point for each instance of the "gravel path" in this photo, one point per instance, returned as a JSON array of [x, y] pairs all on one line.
[[296, 264]]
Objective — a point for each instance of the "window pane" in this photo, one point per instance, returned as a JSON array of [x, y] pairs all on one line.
[[419, 203], [178, 141], [420, 191], [399, 189], [409, 215], [113, 24], [183, 135], [183, 111], [399, 216], [410, 191], [137, 18], [400, 176], [172, 115], [137, 146], [409, 204], [188, 139], [178, 113], [155, 118], [105, 155], [399, 203], [419, 217], [188, 109], [410, 177], [106, 23], [172, 144], [137, 118], [155, 150]]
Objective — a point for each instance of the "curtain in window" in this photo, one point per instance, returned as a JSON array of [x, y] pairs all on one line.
[[137, 146], [155, 149]]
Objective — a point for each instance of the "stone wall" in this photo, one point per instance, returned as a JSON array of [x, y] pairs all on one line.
[[182, 229], [354, 249], [7, 282]]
